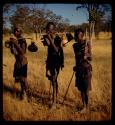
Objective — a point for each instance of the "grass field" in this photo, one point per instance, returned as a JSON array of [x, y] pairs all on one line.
[[37, 108]]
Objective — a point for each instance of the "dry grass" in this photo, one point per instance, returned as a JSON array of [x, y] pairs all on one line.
[[37, 108]]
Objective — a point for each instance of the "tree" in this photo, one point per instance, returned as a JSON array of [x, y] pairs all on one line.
[[6, 12], [20, 17], [32, 18], [6, 9], [95, 12], [72, 28]]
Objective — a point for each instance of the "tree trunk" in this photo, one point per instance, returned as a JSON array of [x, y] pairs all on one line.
[[40, 33], [36, 35], [86, 33], [91, 31]]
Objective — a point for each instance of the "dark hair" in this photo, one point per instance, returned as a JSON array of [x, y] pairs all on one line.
[[48, 25], [76, 33]]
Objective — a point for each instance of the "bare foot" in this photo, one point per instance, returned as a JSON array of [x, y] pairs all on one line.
[[54, 107], [25, 96], [84, 110], [88, 110]]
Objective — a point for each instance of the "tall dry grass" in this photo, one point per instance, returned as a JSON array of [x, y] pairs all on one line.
[[37, 108]]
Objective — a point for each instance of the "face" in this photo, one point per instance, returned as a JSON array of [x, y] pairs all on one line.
[[80, 36], [51, 28], [17, 33]]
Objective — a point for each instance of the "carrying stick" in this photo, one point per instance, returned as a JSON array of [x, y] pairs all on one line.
[[68, 87]]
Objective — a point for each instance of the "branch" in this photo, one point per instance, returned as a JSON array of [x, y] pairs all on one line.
[[80, 7]]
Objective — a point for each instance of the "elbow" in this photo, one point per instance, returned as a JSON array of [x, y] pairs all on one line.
[[89, 58]]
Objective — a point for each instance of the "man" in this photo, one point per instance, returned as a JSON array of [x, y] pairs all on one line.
[[83, 68], [18, 48], [55, 58]]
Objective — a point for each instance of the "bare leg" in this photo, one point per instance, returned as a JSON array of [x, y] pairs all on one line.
[[56, 83], [22, 90], [82, 96], [85, 101], [50, 88], [56, 88], [54, 93], [24, 86], [86, 98]]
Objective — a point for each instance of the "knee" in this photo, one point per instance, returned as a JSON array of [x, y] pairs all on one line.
[[53, 79]]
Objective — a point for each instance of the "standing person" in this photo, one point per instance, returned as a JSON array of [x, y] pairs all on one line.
[[83, 68], [55, 58], [18, 49]]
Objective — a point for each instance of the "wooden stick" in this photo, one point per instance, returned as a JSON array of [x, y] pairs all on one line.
[[68, 87]]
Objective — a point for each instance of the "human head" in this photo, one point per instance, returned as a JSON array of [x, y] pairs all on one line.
[[79, 34], [17, 31], [50, 27]]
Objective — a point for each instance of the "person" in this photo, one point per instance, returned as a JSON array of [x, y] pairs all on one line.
[[55, 58], [18, 49], [83, 68]]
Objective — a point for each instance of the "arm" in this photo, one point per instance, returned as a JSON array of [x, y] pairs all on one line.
[[48, 42], [19, 49], [74, 48], [52, 43], [62, 57], [88, 53]]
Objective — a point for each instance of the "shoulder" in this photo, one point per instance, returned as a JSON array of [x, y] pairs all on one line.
[[84, 42], [22, 40]]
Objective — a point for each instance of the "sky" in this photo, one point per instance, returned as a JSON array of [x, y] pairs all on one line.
[[69, 11], [64, 10]]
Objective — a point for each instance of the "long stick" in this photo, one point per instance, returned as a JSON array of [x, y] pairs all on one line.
[[50, 94], [68, 87]]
